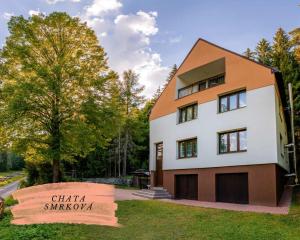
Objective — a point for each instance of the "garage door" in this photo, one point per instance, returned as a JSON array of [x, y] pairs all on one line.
[[232, 188], [186, 186]]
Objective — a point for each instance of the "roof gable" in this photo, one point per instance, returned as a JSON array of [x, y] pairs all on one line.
[[202, 53]]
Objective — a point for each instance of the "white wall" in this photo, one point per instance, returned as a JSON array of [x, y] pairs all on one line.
[[258, 117]]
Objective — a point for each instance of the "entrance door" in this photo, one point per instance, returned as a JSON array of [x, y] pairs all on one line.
[[232, 188], [186, 186], [159, 162]]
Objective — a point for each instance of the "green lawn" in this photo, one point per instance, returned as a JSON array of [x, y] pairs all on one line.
[[159, 220]]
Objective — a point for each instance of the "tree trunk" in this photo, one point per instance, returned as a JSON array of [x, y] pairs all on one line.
[[125, 152], [56, 142], [115, 161], [119, 152], [56, 170]]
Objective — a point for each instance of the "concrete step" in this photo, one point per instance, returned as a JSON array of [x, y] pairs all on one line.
[[153, 193]]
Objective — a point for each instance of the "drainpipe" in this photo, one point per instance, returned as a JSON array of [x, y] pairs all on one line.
[[293, 130]]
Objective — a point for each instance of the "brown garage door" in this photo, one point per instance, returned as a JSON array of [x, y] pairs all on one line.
[[186, 186], [232, 188]]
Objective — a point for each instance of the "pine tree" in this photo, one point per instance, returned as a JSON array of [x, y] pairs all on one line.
[[132, 99], [295, 42], [249, 54], [263, 52], [172, 73]]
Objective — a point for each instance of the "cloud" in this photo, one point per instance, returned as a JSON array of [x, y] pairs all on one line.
[[56, 1], [7, 15], [141, 22], [176, 39], [127, 40], [35, 12], [100, 7]]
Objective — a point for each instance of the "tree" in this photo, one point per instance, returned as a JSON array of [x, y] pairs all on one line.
[[54, 91], [295, 42], [132, 99], [263, 52], [283, 58], [249, 54], [172, 73]]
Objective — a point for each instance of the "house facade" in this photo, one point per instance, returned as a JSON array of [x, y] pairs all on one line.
[[218, 130]]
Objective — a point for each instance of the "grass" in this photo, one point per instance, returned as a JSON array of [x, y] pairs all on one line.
[[161, 220]]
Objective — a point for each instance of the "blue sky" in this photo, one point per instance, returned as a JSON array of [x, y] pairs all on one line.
[[151, 35]]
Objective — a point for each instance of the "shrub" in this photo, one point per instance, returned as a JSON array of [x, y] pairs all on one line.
[[10, 201], [38, 173]]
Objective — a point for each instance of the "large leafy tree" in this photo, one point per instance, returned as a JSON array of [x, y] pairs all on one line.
[[55, 89]]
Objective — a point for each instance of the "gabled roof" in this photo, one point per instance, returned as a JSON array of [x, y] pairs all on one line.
[[238, 54], [273, 70]]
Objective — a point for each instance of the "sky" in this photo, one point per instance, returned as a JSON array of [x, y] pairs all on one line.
[[149, 36]]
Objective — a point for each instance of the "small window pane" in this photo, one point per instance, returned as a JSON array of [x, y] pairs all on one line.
[[195, 148], [242, 99], [223, 143], [202, 85], [195, 111], [233, 102], [180, 93], [221, 79], [181, 149], [243, 140], [183, 115], [189, 149], [223, 104], [233, 142], [213, 82], [189, 113], [184, 92], [195, 88]]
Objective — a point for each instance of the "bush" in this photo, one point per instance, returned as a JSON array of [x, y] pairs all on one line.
[[23, 184], [38, 173], [10, 201]]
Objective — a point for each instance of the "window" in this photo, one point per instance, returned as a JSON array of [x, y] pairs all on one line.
[[185, 91], [187, 148], [234, 141], [188, 113], [215, 81], [201, 85], [232, 101]]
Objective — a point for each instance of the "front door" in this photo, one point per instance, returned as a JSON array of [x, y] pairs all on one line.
[[159, 161]]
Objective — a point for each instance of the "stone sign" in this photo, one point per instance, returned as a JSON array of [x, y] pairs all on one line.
[[73, 202]]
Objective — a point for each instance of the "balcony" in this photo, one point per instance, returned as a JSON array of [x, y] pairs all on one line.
[[201, 78]]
